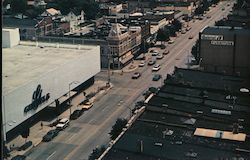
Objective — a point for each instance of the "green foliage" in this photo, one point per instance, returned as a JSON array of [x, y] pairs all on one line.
[[177, 25], [18, 6], [163, 35], [117, 128], [195, 52], [96, 153]]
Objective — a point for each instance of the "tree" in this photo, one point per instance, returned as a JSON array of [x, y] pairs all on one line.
[[96, 153], [117, 128], [194, 51], [90, 7], [162, 35], [25, 134], [177, 25], [18, 6]]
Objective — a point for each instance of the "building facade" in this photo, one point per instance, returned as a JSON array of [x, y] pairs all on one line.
[[45, 75], [123, 44], [225, 50]]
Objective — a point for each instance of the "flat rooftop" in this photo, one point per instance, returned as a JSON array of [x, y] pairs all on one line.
[[28, 61], [190, 117]]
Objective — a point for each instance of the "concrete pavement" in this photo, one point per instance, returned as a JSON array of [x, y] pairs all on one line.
[[37, 131]]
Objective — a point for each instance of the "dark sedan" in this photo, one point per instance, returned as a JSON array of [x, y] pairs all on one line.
[[156, 77], [50, 135], [76, 114]]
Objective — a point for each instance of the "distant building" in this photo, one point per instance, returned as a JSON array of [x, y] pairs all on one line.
[[51, 12], [187, 8], [123, 44], [110, 8], [30, 28], [225, 50], [75, 18]]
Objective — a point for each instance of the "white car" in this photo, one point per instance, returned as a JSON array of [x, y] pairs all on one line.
[[156, 67], [155, 53], [171, 41], [142, 64], [63, 123], [159, 56]]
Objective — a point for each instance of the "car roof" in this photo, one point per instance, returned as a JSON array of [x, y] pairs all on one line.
[[64, 120]]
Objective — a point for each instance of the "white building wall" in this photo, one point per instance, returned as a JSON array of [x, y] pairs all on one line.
[[10, 37], [55, 82]]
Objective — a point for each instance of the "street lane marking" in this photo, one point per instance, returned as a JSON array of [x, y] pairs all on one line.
[[51, 155]]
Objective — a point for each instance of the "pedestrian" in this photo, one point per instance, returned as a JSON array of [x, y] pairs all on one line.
[[41, 125]]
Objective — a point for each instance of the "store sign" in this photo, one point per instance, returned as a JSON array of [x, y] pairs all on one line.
[[212, 37], [222, 43], [37, 99]]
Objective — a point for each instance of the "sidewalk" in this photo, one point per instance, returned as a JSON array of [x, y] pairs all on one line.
[[37, 131]]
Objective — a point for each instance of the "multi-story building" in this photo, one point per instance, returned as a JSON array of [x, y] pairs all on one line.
[[38, 75], [30, 28], [123, 43], [225, 50]]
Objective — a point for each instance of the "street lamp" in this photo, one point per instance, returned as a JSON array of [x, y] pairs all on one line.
[[74, 82]]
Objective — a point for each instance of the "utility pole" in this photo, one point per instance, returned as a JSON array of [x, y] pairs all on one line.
[[108, 83]]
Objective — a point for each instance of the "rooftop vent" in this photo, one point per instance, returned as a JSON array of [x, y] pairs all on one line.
[[218, 111], [244, 90]]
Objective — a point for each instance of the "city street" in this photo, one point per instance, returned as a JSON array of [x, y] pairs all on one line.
[[92, 128]]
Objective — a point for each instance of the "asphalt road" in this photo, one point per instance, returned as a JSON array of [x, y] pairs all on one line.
[[92, 128]]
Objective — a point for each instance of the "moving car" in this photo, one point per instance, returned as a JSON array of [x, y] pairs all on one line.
[[136, 75], [50, 135], [151, 62], [159, 56], [87, 105], [190, 37], [63, 123], [156, 77], [166, 52], [77, 113], [156, 67], [142, 64]]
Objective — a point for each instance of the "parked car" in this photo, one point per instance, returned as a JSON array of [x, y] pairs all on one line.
[[159, 56], [136, 75], [156, 67], [63, 123], [183, 31], [166, 52], [155, 53], [223, 9], [156, 77], [77, 113], [171, 41], [25, 146], [162, 46], [142, 64], [151, 62], [19, 157], [87, 105], [50, 135]]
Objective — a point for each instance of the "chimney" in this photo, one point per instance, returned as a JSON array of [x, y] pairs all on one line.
[[235, 128]]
